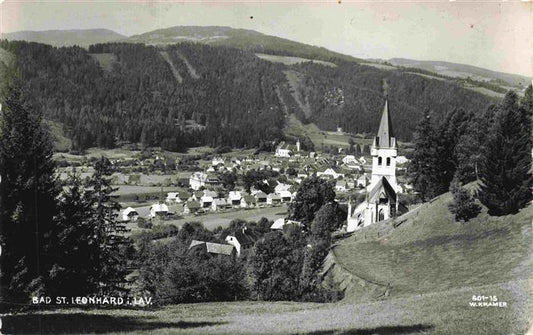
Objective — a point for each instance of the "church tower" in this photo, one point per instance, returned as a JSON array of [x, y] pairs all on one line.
[[384, 151]]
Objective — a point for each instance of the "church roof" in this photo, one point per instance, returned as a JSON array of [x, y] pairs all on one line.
[[382, 185], [385, 136]]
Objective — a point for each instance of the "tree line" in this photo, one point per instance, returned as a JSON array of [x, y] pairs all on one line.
[[120, 92], [492, 147]]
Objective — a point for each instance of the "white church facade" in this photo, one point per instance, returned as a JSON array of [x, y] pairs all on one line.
[[381, 201]]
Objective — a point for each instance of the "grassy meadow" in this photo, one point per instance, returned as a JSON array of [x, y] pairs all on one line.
[[432, 264]]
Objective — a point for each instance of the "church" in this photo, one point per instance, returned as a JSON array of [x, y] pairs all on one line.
[[381, 201]]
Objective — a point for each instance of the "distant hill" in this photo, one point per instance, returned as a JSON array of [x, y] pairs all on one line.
[[464, 71], [61, 38], [249, 40]]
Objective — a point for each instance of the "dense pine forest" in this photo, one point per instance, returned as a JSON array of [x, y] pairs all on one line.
[[190, 94]]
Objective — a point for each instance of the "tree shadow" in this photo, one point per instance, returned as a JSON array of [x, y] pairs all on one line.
[[80, 323], [391, 330]]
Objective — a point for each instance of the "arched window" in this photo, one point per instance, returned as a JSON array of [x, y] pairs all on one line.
[[381, 215], [380, 160], [388, 161]]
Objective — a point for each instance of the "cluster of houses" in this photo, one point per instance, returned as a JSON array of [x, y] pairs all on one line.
[[211, 201]]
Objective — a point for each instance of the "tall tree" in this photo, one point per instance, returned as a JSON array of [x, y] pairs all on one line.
[[505, 173], [28, 190], [423, 167], [311, 195], [109, 264]]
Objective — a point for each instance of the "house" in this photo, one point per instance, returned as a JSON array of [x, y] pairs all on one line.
[[157, 210], [286, 150], [281, 187], [235, 198], [130, 214], [217, 161], [197, 179], [172, 197], [197, 195], [362, 181], [280, 223], [329, 172], [286, 196], [340, 186], [206, 201], [192, 207], [219, 204], [212, 181], [211, 194], [273, 199], [260, 198], [401, 160], [214, 249], [240, 240], [349, 160], [248, 201]]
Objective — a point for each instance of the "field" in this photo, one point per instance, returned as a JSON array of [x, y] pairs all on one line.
[[322, 138], [289, 60], [436, 313], [213, 220]]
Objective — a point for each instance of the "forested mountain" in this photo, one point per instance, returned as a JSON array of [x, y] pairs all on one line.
[[61, 38], [249, 40], [183, 95]]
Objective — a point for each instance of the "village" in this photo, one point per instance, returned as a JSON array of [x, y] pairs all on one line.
[[217, 188]]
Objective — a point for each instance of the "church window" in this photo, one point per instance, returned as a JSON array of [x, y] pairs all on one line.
[[381, 215], [379, 160], [388, 161]]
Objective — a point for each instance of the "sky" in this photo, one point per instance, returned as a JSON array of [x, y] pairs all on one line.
[[492, 34]]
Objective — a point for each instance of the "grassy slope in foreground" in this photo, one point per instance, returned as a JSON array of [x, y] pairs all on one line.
[[431, 253], [435, 266]]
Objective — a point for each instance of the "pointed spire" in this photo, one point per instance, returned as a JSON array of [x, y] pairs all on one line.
[[385, 136]]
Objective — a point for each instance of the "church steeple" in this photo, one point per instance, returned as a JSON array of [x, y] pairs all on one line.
[[385, 137]]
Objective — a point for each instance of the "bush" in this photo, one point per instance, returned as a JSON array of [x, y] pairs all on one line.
[[463, 205], [142, 223]]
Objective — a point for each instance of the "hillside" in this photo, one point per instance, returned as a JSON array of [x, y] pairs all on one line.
[[430, 253], [190, 94], [434, 267], [249, 40], [464, 71], [61, 38]]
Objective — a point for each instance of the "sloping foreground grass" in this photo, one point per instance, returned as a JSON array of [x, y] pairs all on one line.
[[434, 267], [433, 313]]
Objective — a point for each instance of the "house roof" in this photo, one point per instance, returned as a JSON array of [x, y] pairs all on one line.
[[213, 248], [285, 194], [278, 224], [159, 208], [385, 136], [382, 185], [193, 204], [129, 211], [244, 238], [260, 195], [274, 196], [221, 249], [235, 195], [220, 202], [249, 199]]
